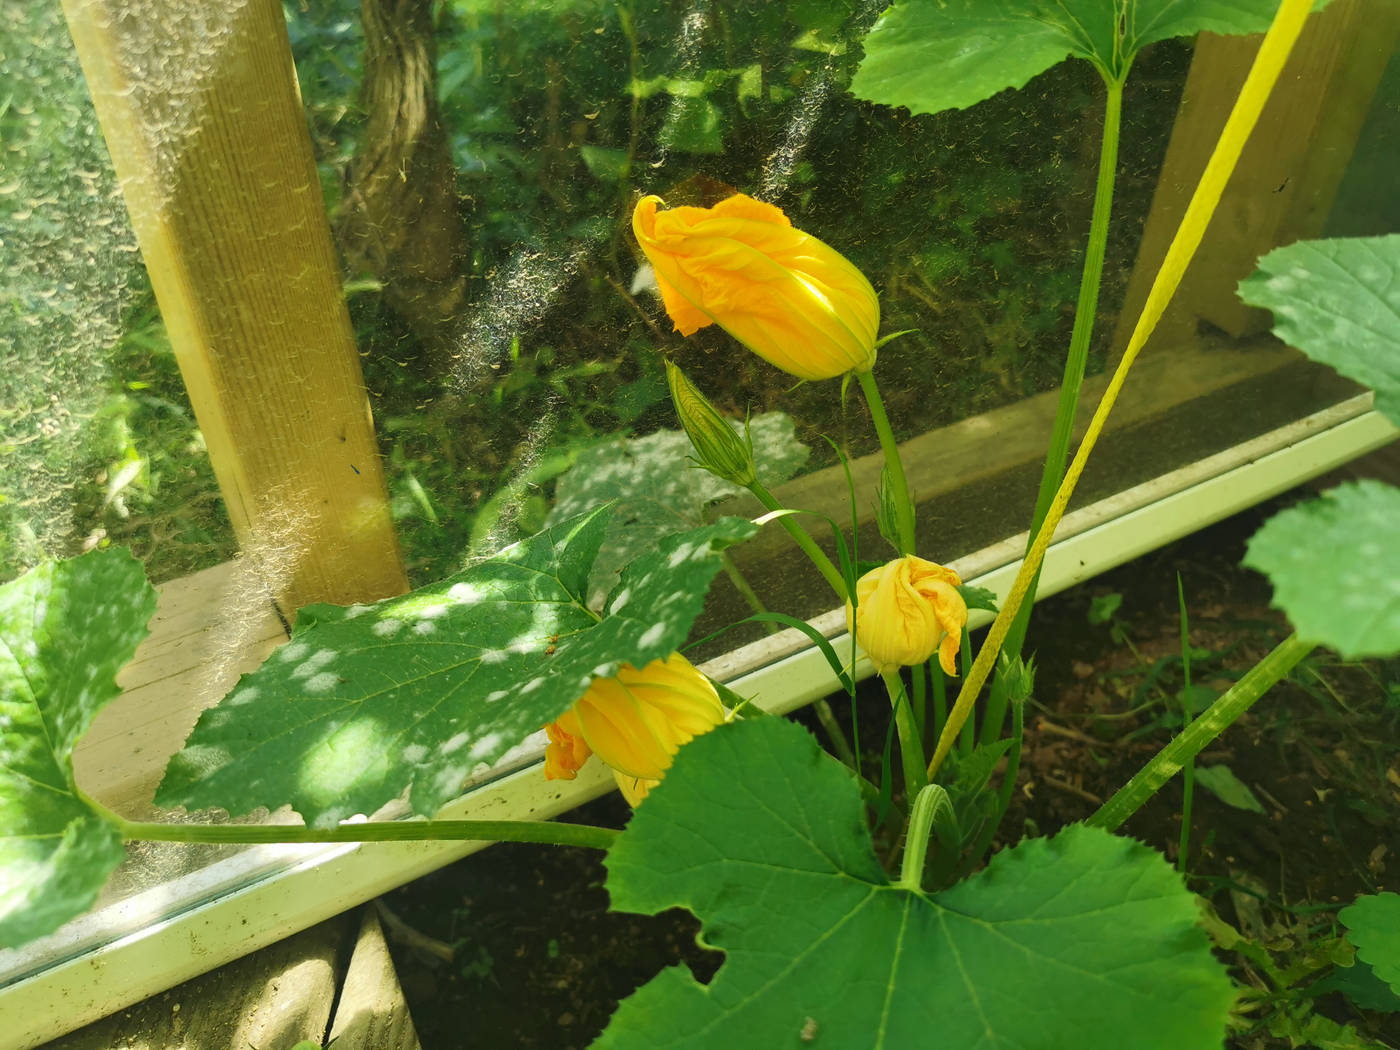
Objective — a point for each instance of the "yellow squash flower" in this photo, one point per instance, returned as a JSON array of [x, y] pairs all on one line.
[[635, 722], [794, 301], [905, 611]]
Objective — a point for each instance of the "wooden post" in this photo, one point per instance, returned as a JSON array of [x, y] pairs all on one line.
[[202, 115], [1287, 177]]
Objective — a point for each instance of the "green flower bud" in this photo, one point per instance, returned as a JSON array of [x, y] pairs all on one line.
[[719, 448]]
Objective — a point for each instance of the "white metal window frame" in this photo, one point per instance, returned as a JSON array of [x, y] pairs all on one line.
[[153, 940]]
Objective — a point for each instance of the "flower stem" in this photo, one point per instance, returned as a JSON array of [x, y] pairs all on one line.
[[745, 589], [911, 748], [1213, 721], [799, 535], [903, 505], [541, 831], [1268, 63], [1085, 313]]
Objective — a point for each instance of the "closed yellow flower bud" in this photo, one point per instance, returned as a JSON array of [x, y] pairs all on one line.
[[635, 722], [788, 297], [905, 611]]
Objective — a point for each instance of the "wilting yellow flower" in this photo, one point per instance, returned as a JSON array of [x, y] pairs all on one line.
[[906, 610], [635, 722], [788, 297]]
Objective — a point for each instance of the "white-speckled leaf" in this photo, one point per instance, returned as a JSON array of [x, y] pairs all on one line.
[[1338, 301], [1335, 566], [417, 691], [65, 630], [657, 490]]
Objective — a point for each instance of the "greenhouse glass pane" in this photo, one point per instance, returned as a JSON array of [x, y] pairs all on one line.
[[480, 162]]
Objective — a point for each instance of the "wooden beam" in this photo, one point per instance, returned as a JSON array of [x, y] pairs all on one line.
[[372, 1013], [1287, 178], [271, 999], [201, 112]]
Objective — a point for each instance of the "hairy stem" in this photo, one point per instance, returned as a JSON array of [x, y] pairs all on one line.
[[1188, 772], [932, 809], [1008, 785], [1213, 721]]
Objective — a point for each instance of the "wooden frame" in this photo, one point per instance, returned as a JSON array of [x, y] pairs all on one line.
[[200, 109]]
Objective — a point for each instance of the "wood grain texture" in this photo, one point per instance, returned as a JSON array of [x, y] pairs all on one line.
[[270, 1000], [372, 1013], [1287, 178], [200, 109], [208, 629]]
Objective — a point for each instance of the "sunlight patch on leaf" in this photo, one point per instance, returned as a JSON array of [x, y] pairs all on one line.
[[350, 712], [658, 491]]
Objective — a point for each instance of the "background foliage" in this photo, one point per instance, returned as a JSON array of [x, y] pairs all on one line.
[[556, 114]]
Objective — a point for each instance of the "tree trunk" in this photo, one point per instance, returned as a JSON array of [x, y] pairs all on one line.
[[400, 220]]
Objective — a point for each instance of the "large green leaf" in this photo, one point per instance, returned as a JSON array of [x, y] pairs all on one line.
[[657, 490], [1373, 925], [931, 55], [1338, 301], [417, 691], [1083, 940], [1335, 567], [65, 630]]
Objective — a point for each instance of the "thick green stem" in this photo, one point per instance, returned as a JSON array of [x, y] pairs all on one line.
[[1085, 313], [903, 505], [932, 807], [542, 831], [911, 747], [1200, 733], [799, 535]]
